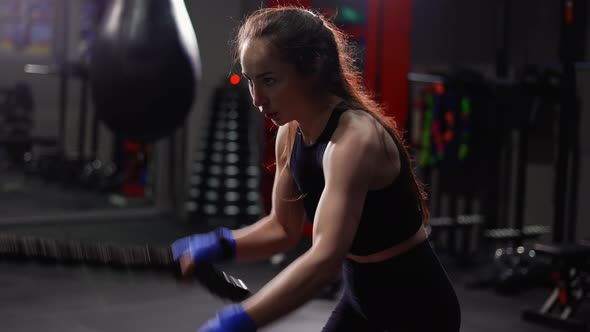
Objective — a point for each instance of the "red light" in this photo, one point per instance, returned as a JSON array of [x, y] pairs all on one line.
[[569, 12], [439, 88], [234, 79]]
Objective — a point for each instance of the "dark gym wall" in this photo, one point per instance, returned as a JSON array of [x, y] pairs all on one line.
[[584, 189], [467, 32], [584, 88]]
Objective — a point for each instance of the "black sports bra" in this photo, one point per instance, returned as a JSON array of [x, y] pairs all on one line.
[[390, 214]]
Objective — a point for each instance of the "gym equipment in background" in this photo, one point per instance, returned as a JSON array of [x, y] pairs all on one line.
[[16, 123], [460, 122], [225, 177], [571, 281], [145, 67], [84, 168], [569, 255]]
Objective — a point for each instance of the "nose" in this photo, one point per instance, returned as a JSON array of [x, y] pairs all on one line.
[[258, 98]]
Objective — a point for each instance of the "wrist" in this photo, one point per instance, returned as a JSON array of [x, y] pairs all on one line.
[[230, 318], [239, 318]]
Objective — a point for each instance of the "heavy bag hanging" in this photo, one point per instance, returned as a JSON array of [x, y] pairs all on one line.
[[145, 67]]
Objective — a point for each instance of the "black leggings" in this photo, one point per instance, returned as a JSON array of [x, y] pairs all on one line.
[[407, 293]]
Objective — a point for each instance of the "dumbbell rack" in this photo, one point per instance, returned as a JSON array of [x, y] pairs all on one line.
[[225, 177], [16, 119]]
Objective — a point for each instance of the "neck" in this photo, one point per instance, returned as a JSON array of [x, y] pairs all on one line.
[[312, 123]]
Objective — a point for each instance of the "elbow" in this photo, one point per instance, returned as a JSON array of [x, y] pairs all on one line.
[[334, 273], [290, 236], [331, 271], [330, 264]]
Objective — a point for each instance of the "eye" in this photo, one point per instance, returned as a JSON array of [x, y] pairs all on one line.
[[268, 81]]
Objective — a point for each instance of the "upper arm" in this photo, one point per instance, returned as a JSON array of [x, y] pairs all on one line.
[[286, 209], [347, 170]]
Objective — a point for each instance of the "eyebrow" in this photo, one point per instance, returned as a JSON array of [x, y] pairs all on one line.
[[259, 75]]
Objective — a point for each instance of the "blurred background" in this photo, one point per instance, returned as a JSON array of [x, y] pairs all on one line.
[[494, 97]]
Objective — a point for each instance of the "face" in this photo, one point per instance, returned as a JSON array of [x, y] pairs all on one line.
[[277, 89]]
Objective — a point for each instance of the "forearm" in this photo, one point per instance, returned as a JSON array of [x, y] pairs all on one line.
[[262, 240], [291, 288]]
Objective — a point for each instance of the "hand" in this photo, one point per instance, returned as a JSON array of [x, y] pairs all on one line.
[[232, 318], [212, 247]]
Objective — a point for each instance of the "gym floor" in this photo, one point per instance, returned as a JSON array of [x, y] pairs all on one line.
[[59, 298]]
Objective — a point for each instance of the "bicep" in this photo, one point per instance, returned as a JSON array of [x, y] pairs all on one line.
[[337, 218], [341, 204]]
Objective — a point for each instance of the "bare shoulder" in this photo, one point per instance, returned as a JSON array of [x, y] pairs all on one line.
[[281, 138], [355, 143], [360, 128]]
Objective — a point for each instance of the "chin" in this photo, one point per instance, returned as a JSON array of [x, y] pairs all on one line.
[[281, 123], [278, 122]]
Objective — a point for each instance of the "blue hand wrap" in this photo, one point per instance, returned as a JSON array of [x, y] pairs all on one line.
[[211, 247], [232, 318]]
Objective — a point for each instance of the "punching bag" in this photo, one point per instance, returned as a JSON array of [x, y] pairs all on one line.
[[144, 69]]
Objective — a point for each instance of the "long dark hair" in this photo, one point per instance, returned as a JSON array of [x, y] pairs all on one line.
[[303, 37]]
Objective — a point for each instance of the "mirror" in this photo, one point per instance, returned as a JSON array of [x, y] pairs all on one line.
[[58, 157]]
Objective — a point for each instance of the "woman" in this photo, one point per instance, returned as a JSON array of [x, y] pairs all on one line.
[[341, 165]]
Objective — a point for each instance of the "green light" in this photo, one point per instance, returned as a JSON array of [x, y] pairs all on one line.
[[466, 106], [350, 15], [423, 159], [463, 150]]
